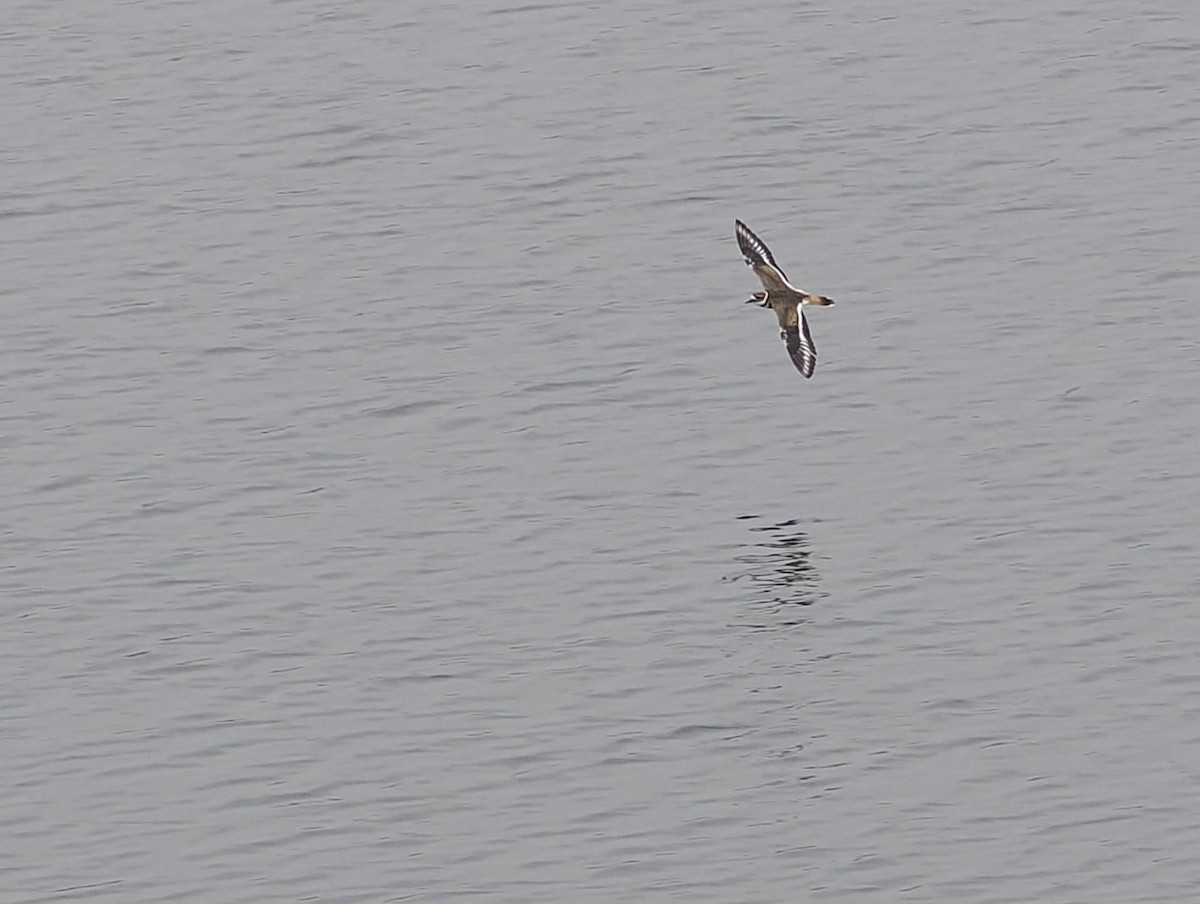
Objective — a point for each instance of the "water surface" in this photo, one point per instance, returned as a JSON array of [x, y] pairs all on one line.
[[402, 505]]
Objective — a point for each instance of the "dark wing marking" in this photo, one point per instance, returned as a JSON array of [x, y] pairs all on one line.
[[754, 249], [801, 347]]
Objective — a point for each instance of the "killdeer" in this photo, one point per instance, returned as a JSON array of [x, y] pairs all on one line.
[[783, 297]]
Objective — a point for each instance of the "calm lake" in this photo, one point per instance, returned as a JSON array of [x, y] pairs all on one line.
[[401, 504]]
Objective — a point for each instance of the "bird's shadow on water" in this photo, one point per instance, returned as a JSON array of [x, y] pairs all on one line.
[[778, 572]]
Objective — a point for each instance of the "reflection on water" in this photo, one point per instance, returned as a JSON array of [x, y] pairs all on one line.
[[778, 566]]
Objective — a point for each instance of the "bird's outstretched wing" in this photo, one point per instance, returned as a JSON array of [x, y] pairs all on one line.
[[758, 256], [800, 346]]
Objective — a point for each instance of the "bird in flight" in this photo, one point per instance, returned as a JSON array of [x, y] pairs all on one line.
[[781, 296]]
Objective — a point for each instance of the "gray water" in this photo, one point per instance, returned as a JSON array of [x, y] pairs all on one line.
[[400, 504]]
